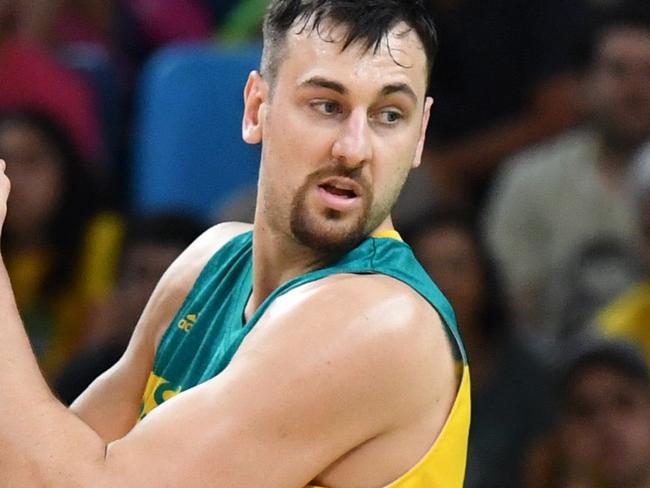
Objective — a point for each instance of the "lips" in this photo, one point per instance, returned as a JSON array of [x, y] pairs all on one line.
[[339, 192], [341, 187]]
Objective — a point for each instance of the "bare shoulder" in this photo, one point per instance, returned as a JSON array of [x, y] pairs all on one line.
[[389, 305], [370, 323]]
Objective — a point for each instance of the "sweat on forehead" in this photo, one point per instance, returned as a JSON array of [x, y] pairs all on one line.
[[366, 23]]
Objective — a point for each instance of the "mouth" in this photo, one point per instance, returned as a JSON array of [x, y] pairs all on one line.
[[340, 193], [341, 187]]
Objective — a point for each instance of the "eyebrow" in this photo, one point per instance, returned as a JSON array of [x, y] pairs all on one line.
[[320, 82], [399, 88]]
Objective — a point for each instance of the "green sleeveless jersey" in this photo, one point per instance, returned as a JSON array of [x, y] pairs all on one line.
[[210, 325]]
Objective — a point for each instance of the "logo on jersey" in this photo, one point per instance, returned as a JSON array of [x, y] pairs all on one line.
[[188, 322], [157, 391]]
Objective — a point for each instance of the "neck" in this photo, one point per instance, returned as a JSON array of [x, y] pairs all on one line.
[[278, 257]]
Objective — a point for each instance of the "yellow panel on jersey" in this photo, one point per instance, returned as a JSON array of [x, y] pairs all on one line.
[[444, 465]]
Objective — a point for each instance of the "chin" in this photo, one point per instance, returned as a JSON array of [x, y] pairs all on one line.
[[332, 237]]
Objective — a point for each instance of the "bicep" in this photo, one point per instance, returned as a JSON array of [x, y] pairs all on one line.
[[258, 423], [199, 438]]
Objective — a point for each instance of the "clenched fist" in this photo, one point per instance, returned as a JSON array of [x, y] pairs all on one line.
[[4, 192]]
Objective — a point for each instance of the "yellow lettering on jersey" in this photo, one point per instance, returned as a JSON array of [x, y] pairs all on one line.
[[186, 324], [157, 391]]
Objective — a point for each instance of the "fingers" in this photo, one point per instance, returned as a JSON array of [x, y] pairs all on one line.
[[3, 175], [5, 186]]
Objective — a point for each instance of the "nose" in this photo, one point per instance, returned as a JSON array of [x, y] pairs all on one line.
[[353, 146]]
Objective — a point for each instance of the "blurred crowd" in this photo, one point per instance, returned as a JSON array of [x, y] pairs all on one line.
[[531, 209]]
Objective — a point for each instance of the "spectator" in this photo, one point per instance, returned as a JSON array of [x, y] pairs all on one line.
[[31, 77], [602, 434], [59, 247], [628, 315], [151, 244], [553, 199], [508, 381]]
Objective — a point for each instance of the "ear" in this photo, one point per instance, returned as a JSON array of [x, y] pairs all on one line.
[[255, 97], [428, 103]]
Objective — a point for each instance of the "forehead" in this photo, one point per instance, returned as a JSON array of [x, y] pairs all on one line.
[[603, 379], [625, 42], [400, 58]]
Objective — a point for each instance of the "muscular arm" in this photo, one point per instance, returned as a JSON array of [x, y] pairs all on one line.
[[301, 392]]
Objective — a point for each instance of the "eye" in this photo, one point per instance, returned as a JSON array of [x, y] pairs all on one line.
[[327, 107], [389, 117]]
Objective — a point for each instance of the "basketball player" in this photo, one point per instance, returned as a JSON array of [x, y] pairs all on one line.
[[307, 350]]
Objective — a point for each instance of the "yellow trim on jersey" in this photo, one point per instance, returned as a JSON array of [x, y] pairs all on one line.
[[444, 465], [387, 234]]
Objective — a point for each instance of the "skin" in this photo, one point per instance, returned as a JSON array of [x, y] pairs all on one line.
[[607, 434], [36, 171], [309, 396], [619, 88]]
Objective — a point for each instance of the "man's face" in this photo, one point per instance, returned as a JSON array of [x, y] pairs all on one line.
[[621, 86], [608, 425], [340, 133], [35, 168]]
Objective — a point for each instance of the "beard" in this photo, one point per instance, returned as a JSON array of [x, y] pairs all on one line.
[[331, 232]]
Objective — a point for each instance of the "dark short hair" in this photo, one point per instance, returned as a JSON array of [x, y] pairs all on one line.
[[591, 352], [368, 22]]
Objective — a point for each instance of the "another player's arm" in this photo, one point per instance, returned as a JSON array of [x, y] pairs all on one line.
[[302, 391], [111, 404]]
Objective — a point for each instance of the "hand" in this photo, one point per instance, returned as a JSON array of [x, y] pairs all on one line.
[[5, 186]]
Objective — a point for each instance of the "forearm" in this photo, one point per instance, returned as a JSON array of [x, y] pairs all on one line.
[[41, 442], [25, 385]]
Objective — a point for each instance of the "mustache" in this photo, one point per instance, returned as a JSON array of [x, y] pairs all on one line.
[[342, 171]]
